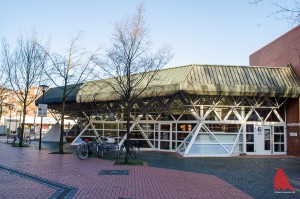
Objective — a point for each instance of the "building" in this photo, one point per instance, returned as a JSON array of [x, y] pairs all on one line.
[[12, 114], [282, 52], [195, 110]]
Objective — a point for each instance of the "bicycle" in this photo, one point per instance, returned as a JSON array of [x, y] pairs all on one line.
[[134, 148], [108, 144], [86, 149], [25, 142]]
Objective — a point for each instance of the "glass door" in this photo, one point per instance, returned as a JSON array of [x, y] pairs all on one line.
[[165, 136], [263, 140]]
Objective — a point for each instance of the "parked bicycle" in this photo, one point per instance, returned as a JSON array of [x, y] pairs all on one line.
[[25, 141], [87, 148], [134, 148], [105, 145], [109, 145]]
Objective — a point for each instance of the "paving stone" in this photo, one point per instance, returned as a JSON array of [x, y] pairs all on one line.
[[166, 176]]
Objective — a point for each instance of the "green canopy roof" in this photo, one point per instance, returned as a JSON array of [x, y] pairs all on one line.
[[202, 80], [207, 80]]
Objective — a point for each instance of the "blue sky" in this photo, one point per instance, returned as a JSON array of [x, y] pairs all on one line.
[[200, 31]]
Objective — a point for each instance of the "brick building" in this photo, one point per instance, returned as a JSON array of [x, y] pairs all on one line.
[[281, 52], [12, 112]]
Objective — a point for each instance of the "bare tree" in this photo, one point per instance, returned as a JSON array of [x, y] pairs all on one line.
[[24, 68], [130, 55], [67, 73], [3, 90], [287, 12]]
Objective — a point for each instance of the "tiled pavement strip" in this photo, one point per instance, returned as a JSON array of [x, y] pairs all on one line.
[[69, 171], [181, 178]]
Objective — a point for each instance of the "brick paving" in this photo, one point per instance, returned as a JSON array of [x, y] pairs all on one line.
[[165, 176], [29, 173], [254, 175]]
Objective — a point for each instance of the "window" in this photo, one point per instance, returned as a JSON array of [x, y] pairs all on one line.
[[249, 138], [278, 139]]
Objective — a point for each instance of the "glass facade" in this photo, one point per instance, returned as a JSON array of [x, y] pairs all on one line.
[[210, 126]]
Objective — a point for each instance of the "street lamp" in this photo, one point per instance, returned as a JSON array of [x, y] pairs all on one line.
[[34, 112], [10, 107], [44, 88], [16, 112], [20, 111]]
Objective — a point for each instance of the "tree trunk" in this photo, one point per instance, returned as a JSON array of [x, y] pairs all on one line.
[[1, 110], [62, 130], [23, 125], [126, 143]]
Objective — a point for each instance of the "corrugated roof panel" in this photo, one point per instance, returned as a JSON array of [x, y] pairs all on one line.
[[260, 78], [278, 78], [202, 76], [233, 75], [274, 79], [237, 75], [291, 74], [247, 77], [198, 79], [268, 78], [206, 73], [242, 75], [263, 77], [224, 77], [229, 76], [256, 78], [281, 77]]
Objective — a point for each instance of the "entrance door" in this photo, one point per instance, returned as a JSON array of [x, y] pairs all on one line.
[[165, 136], [263, 140]]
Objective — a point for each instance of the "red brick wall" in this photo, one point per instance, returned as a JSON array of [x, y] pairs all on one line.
[[292, 117], [282, 51]]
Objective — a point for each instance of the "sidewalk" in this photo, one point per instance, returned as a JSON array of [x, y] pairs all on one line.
[[38, 173], [29, 173]]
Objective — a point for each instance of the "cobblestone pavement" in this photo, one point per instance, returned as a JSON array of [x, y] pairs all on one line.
[[252, 175], [166, 176], [29, 173]]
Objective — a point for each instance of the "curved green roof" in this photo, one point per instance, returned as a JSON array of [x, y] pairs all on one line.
[[200, 80]]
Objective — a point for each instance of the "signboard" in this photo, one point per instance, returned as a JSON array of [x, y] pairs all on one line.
[[293, 134], [42, 111], [293, 124], [259, 130]]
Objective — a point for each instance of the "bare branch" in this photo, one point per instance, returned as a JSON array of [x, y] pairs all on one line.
[[289, 13], [68, 73], [130, 63], [24, 69]]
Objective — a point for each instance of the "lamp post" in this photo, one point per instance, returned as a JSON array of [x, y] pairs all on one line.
[[34, 112], [44, 88], [10, 107], [16, 112], [20, 111]]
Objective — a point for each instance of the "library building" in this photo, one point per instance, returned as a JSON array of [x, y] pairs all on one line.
[[195, 110]]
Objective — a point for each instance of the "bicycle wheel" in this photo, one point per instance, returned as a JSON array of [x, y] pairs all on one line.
[[132, 152], [99, 151], [121, 149], [14, 140], [82, 151], [26, 141], [108, 148]]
